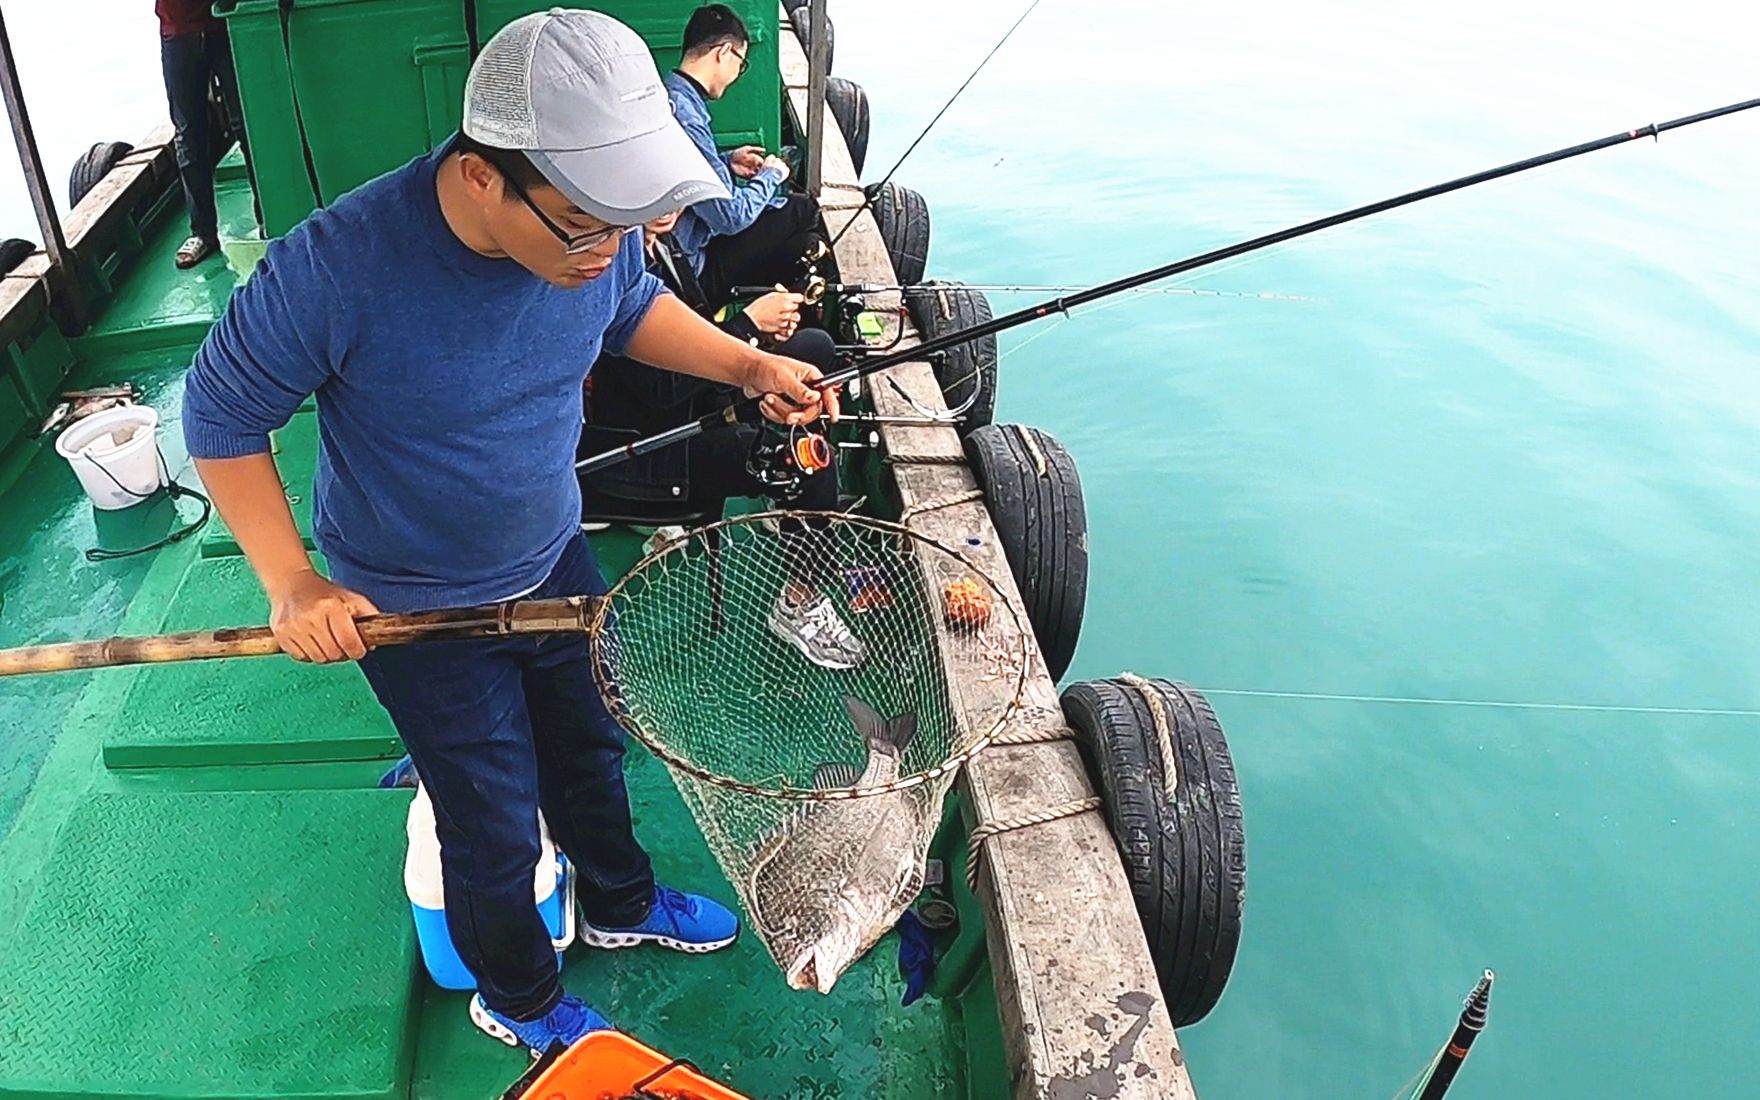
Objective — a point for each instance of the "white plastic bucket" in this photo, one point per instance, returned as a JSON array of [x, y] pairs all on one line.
[[115, 454]]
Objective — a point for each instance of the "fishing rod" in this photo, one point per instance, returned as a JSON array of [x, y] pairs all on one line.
[[746, 410], [1439, 1075], [869, 192], [817, 290]]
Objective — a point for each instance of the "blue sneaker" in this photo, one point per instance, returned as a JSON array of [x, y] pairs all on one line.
[[683, 922], [402, 774], [565, 1024]]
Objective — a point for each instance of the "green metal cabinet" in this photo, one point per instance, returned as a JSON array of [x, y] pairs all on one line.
[[379, 82]]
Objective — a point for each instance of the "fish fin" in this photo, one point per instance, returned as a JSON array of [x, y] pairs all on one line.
[[800, 975], [892, 735], [836, 776], [809, 973]]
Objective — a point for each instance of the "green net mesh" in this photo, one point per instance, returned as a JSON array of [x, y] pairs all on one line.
[[813, 682]]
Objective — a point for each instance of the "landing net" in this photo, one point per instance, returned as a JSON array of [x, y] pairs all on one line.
[[818, 788]]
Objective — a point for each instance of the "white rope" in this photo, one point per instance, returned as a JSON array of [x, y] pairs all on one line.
[[1034, 726], [1163, 729], [975, 846], [1032, 445], [925, 459], [936, 503]]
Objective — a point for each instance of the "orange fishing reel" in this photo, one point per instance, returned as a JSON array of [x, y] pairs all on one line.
[[783, 456]]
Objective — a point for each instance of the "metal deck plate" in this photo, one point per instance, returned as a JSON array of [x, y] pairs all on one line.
[[261, 710], [209, 945], [296, 454]]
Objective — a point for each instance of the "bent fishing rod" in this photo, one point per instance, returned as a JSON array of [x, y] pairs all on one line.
[[747, 410]]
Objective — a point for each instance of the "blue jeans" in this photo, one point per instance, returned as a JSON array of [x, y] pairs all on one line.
[[193, 64], [498, 728]]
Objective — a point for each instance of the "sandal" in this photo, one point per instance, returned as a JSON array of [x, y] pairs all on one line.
[[194, 251]]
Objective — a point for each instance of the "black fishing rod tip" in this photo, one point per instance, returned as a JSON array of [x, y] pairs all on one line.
[[1478, 1003]]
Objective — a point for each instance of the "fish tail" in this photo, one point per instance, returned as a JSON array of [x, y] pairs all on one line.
[[892, 735]]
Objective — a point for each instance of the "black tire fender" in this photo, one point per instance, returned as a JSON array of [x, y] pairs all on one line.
[[849, 106], [93, 165], [14, 251], [903, 218], [968, 371], [802, 18], [1034, 495], [1185, 856]]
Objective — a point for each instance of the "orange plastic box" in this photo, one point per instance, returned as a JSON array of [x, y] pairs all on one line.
[[609, 1065]]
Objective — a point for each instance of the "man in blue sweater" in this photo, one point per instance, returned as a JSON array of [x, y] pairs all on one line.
[[445, 316], [756, 234]]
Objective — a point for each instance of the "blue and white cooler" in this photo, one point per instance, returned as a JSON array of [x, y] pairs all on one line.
[[552, 890]]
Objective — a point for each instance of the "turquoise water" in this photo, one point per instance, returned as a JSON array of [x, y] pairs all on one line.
[[1510, 454]]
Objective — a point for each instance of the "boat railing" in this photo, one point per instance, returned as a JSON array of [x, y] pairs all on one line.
[[51, 296], [1081, 1008]]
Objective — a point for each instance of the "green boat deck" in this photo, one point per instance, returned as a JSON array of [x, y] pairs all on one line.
[[200, 884]]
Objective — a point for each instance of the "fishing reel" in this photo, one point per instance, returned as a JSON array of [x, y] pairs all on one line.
[[812, 290], [813, 284], [783, 455]]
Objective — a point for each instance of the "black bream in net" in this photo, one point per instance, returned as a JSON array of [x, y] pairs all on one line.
[[834, 877], [817, 785]]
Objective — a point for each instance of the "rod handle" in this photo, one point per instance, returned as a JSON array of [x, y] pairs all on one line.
[[572, 614]]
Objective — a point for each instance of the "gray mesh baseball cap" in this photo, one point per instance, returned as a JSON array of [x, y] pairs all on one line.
[[578, 93]]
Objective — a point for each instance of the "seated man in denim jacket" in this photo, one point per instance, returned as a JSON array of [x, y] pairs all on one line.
[[757, 235]]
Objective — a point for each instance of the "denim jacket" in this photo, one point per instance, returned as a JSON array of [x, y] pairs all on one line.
[[715, 217]]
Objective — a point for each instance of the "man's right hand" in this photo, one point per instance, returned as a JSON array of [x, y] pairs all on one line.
[[776, 314], [786, 390], [313, 619], [776, 164], [745, 161]]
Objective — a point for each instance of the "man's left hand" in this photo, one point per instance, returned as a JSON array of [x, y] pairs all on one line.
[[788, 394], [746, 160]]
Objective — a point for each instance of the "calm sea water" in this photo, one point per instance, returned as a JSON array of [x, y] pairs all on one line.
[[1510, 454], [1510, 451]]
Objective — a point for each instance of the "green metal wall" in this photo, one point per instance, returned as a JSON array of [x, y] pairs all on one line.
[[379, 82]]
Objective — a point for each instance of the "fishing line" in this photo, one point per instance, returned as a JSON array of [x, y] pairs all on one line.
[[1180, 285], [1410, 1088], [869, 192], [1124, 299], [1333, 234], [1490, 704], [867, 365], [1058, 325], [950, 416]]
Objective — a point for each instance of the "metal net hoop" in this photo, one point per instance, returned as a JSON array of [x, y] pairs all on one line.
[[684, 663]]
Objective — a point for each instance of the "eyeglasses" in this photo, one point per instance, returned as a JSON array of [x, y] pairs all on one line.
[[744, 64], [573, 244]]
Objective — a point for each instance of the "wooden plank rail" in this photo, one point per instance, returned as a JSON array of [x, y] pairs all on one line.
[[139, 176], [1082, 1012], [94, 228]]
